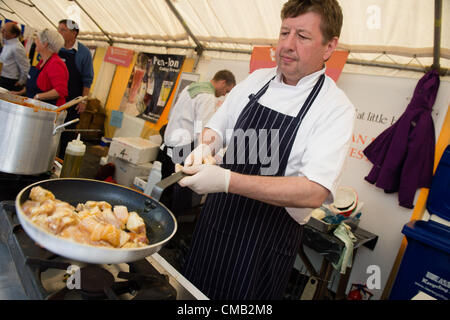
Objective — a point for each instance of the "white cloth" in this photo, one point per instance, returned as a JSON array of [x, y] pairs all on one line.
[[15, 61], [188, 117], [323, 139]]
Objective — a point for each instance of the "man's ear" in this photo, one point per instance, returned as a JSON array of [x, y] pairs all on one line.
[[331, 46]]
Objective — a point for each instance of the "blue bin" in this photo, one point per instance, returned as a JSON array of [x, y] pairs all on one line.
[[426, 263]]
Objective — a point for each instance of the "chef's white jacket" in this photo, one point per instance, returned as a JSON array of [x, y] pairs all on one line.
[[323, 139], [188, 117]]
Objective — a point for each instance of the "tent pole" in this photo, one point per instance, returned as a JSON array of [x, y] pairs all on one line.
[[110, 40], [150, 44], [199, 49], [26, 3], [42, 14], [13, 12], [437, 34], [443, 71]]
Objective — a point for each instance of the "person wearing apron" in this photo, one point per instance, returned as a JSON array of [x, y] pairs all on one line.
[[249, 231], [32, 87], [47, 81], [195, 105], [75, 90], [78, 60]]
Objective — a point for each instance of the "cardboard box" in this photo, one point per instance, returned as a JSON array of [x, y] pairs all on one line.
[[98, 150], [125, 171], [133, 149]]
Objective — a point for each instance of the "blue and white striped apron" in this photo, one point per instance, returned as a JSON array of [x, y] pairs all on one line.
[[244, 248]]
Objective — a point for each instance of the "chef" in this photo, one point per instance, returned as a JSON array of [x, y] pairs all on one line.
[[287, 131]]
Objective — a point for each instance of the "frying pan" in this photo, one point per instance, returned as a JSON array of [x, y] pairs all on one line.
[[160, 222]]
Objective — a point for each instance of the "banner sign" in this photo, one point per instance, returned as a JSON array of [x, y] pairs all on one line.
[[335, 64], [264, 57], [150, 85], [119, 56]]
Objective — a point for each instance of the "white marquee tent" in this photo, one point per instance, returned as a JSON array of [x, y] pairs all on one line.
[[376, 32], [403, 37]]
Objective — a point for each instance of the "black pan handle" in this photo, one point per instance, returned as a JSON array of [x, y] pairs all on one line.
[[167, 182]]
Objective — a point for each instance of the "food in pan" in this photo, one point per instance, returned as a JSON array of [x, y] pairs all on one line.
[[94, 222]]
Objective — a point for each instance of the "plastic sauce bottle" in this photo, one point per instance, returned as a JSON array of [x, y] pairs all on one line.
[[73, 158], [153, 178]]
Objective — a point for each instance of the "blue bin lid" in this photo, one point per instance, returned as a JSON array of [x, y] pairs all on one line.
[[431, 233], [438, 201]]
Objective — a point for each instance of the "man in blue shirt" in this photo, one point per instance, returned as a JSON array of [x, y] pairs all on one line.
[[78, 60]]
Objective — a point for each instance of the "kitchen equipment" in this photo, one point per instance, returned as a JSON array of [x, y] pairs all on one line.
[[11, 184], [160, 222], [154, 177], [72, 102], [163, 184], [73, 158], [345, 202], [32, 272], [28, 136]]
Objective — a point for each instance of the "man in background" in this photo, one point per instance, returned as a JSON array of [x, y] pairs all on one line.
[[14, 59], [78, 60], [195, 105]]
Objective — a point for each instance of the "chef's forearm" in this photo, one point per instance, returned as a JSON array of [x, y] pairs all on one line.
[[296, 192]]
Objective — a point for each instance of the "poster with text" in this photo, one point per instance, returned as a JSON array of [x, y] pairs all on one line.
[[150, 85]]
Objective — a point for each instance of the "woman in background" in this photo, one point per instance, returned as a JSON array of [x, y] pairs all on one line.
[[47, 81]]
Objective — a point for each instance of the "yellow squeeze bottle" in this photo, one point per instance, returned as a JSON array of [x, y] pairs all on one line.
[[73, 158]]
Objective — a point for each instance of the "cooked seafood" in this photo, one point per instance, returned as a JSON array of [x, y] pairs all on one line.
[[94, 222]]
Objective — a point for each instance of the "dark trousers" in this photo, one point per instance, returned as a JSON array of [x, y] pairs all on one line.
[[177, 198], [9, 84]]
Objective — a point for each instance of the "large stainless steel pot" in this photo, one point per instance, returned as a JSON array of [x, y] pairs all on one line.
[[28, 139]]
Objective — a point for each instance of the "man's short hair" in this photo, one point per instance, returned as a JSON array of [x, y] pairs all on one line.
[[70, 24], [225, 75], [15, 30], [329, 11]]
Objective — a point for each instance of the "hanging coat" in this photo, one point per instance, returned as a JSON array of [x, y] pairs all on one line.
[[403, 155]]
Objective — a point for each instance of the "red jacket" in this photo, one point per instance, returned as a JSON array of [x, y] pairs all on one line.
[[54, 75]]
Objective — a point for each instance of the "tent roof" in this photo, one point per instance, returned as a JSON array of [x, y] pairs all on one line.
[[403, 29]]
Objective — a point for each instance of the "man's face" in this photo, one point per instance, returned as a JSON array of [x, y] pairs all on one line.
[[300, 50], [68, 35], [222, 88], [6, 31]]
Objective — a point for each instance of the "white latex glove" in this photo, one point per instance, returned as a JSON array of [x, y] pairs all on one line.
[[206, 178], [200, 155]]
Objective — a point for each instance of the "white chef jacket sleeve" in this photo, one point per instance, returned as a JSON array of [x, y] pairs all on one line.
[[222, 119], [226, 116], [325, 154], [204, 109]]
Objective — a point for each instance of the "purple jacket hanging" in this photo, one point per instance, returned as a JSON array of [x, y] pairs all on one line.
[[403, 154]]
